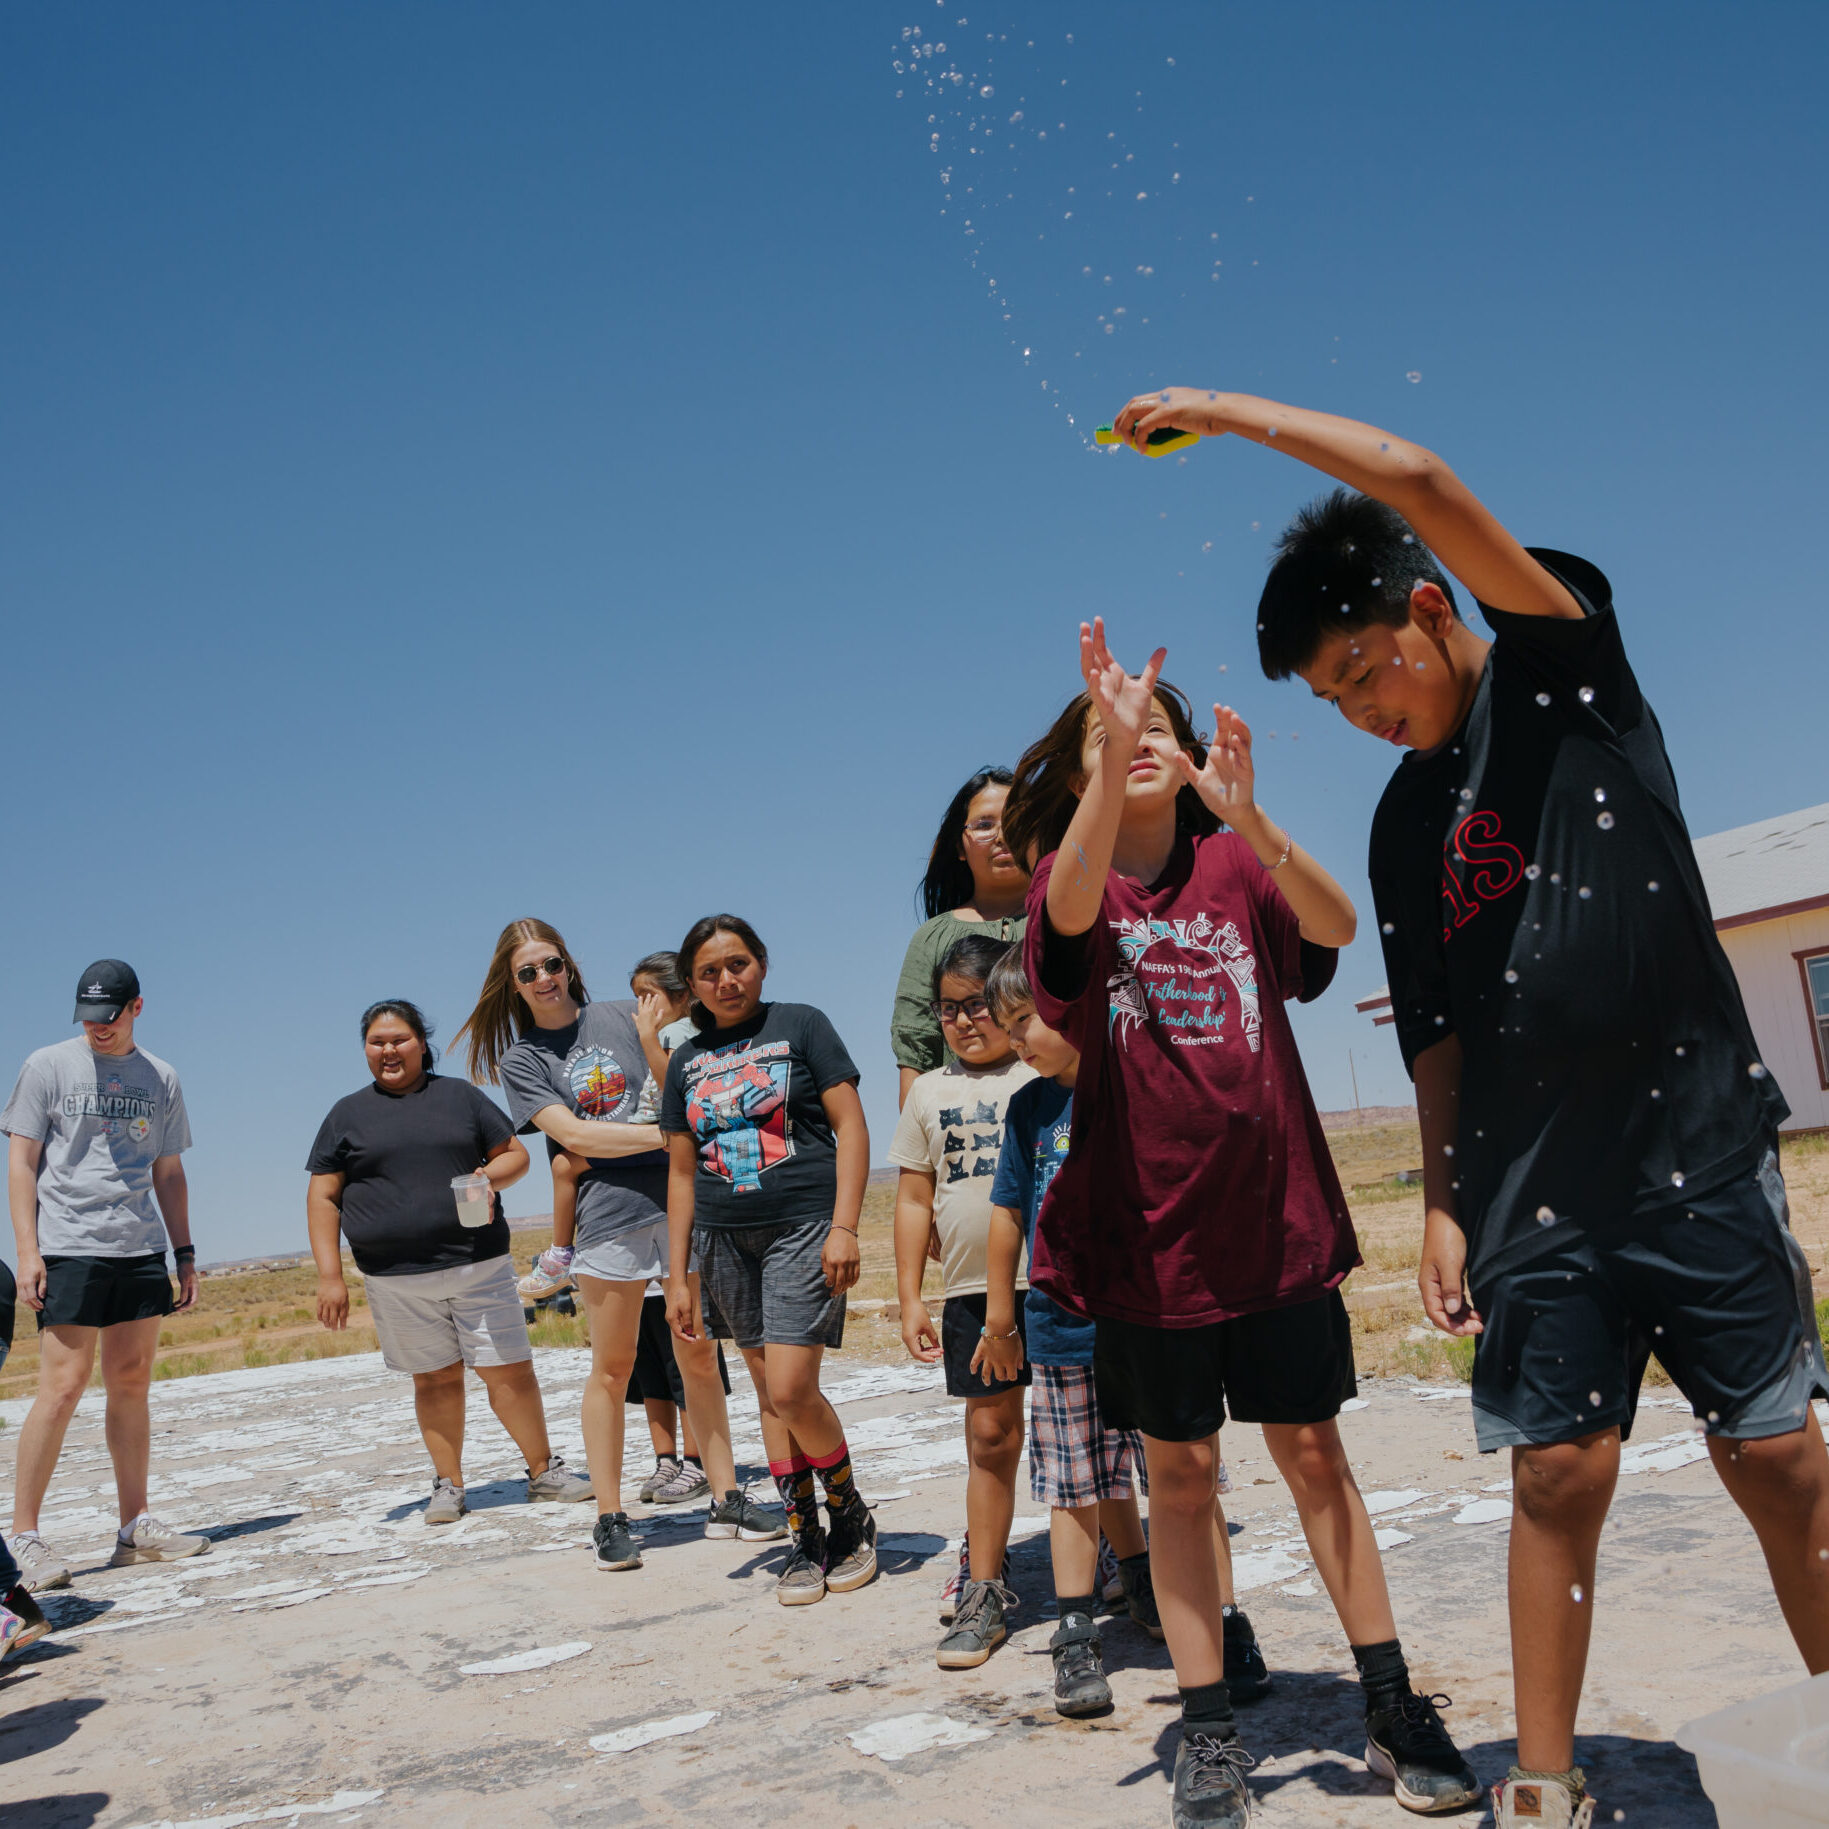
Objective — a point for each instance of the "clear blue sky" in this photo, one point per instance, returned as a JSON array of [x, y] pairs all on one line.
[[467, 461]]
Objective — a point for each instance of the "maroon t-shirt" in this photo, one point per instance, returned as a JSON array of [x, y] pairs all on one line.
[[1198, 1185]]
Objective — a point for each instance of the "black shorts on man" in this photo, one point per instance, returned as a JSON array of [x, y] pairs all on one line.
[[1717, 1288], [656, 1377], [961, 1328], [104, 1291], [1282, 1365]]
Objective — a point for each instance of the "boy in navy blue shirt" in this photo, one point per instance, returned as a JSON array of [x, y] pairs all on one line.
[[1600, 1170], [1083, 1471]]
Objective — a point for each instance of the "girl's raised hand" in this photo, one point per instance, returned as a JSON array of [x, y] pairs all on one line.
[[1228, 783], [1123, 700], [650, 1015]]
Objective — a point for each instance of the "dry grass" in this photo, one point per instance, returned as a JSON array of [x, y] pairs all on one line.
[[269, 1317]]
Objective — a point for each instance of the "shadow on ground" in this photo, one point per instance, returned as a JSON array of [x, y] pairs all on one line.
[[40, 1727], [74, 1810]]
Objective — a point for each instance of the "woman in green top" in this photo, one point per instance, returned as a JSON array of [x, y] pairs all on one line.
[[972, 884]]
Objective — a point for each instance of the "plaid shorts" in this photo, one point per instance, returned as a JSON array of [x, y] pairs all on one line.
[[1074, 1460]]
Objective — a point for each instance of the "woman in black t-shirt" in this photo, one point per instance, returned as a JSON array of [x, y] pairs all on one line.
[[442, 1293]]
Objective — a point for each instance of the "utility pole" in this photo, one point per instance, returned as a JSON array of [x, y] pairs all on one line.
[[1358, 1112]]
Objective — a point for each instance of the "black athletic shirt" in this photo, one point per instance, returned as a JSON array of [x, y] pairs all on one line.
[[397, 1153], [1538, 897]]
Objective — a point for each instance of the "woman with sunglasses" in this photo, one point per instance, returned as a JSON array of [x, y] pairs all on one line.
[[575, 1071], [972, 886]]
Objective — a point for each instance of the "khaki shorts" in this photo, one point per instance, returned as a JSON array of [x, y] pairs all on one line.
[[437, 1317]]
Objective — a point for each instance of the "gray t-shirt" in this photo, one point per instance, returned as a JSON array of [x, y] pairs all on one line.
[[596, 1069], [103, 1121]]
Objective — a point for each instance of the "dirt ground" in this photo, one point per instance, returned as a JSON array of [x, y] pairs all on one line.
[[313, 1665]]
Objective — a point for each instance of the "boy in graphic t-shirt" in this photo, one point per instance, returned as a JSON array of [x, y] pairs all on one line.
[[1600, 1169], [946, 1146]]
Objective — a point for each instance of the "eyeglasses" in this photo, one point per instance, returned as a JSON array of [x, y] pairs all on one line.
[[555, 967], [984, 830], [973, 1009]]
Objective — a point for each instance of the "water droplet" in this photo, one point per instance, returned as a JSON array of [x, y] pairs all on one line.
[[987, 90], [1676, 1178], [1594, 1399], [1605, 822], [1389, 928], [1543, 698], [1586, 695], [1584, 892], [1511, 977], [1533, 871], [1681, 1050], [1575, 1593], [1756, 1071], [1714, 1416], [1652, 887], [1415, 374], [1545, 1217], [1555, 876], [1658, 1329], [1600, 793], [1447, 1149]]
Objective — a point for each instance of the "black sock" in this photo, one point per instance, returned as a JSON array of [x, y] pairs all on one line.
[[692, 1460], [1075, 1603], [1382, 1672], [1207, 1709]]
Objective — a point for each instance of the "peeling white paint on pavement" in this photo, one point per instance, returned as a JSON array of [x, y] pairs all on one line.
[[1483, 1511], [899, 1736], [627, 1739], [536, 1659], [272, 1813]]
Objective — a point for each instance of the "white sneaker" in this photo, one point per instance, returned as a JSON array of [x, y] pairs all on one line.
[[151, 1541], [446, 1505], [1529, 1803], [40, 1566]]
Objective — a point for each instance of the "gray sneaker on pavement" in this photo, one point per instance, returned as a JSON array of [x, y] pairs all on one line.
[[40, 1566], [557, 1485], [151, 1541], [738, 1515], [687, 1482], [977, 1629], [614, 1543], [446, 1504], [665, 1467], [803, 1580]]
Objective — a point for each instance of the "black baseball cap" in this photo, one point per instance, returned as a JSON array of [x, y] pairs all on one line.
[[105, 990]]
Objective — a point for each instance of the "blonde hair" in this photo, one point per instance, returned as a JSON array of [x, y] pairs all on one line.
[[501, 1016]]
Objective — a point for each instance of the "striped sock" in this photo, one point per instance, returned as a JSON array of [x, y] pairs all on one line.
[[835, 1474], [794, 1482]]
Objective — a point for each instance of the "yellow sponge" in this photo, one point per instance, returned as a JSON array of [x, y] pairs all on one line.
[[1161, 441]]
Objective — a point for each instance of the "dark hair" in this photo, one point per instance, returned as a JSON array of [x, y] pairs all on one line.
[[971, 956], [1344, 562], [696, 935], [501, 1016], [409, 1013], [664, 969], [1041, 803], [1007, 989], [948, 882]]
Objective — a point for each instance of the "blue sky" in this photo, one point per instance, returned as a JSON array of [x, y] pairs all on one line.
[[468, 461]]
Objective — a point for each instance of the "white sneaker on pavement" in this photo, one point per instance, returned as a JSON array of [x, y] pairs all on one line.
[[151, 1541], [40, 1566]]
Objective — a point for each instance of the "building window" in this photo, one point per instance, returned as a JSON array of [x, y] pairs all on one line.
[[1815, 968]]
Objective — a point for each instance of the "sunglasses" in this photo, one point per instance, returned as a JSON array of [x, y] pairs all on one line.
[[973, 1009], [555, 967]]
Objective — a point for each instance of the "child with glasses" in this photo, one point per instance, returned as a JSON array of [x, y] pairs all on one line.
[[946, 1146]]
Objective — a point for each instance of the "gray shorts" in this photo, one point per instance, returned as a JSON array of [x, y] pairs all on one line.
[[635, 1256], [438, 1317], [765, 1286]]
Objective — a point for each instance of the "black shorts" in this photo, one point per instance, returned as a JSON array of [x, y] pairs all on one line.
[[1718, 1289], [104, 1291], [657, 1374], [961, 1328], [1285, 1365]]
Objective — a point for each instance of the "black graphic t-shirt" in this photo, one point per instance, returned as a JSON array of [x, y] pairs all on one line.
[[595, 1068], [397, 1153], [1539, 898], [749, 1097]]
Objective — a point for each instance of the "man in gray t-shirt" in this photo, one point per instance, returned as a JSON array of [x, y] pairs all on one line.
[[95, 1130]]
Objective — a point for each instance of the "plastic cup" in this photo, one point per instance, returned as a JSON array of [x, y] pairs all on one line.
[[475, 1199]]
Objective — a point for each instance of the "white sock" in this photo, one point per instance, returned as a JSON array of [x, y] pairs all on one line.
[[126, 1531]]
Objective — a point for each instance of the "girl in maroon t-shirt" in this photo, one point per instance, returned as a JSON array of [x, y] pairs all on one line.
[[1198, 1218]]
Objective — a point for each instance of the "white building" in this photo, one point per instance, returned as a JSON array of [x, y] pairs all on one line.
[[1768, 887]]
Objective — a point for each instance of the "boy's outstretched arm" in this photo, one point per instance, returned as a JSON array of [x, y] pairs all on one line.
[[1124, 702], [1448, 517]]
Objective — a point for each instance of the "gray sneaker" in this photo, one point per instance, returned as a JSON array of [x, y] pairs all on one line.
[[446, 1504], [151, 1541], [850, 1549], [738, 1515], [558, 1484], [665, 1467], [40, 1566], [803, 1580], [614, 1543], [686, 1482], [977, 1629]]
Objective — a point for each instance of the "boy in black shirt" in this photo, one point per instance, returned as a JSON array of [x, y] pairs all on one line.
[[1600, 1168]]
